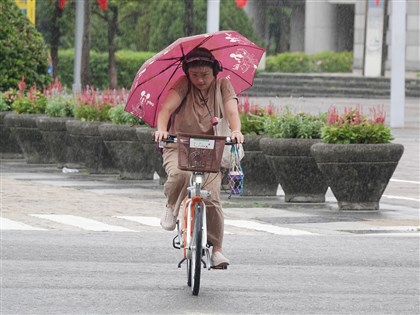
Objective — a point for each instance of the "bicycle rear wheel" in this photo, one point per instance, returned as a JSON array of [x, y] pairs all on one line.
[[196, 248]]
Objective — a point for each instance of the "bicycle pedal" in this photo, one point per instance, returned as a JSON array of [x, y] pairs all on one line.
[[223, 267]]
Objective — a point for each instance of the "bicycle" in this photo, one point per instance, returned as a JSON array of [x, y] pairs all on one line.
[[200, 154]]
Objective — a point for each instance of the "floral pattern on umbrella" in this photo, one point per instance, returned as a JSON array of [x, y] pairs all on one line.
[[238, 56]]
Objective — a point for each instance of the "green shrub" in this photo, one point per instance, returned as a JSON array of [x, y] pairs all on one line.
[[289, 62], [128, 63], [9, 97], [253, 117], [34, 102], [320, 62], [291, 125], [87, 112], [352, 126], [60, 106], [333, 62], [22, 49], [3, 105], [94, 105], [119, 116], [252, 123]]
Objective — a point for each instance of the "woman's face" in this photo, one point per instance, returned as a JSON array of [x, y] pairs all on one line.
[[201, 77]]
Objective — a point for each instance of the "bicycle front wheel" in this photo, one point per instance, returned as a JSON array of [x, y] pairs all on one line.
[[196, 248]]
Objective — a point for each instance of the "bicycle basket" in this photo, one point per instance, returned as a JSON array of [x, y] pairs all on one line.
[[200, 153]]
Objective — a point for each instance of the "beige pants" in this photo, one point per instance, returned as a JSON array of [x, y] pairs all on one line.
[[175, 190]]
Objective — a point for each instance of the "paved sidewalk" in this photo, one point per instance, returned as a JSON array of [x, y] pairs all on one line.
[[44, 189], [28, 189]]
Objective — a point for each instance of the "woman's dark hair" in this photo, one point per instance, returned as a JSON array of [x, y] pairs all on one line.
[[200, 57]]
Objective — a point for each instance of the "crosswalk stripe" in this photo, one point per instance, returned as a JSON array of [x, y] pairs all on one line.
[[7, 224], [97, 226], [150, 221], [266, 227], [81, 222]]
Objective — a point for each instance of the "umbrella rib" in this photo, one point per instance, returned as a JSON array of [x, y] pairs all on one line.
[[237, 45], [237, 75], [164, 88]]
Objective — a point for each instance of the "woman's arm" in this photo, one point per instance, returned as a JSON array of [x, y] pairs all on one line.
[[232, 116], [171, 103]]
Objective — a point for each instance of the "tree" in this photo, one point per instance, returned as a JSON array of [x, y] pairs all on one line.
[[85, 68], [165, 22], [23, 52], [113, 20], [55, 37], [144, 25], [188, 17]]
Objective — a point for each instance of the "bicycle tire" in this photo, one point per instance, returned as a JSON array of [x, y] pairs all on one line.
[[196, 248]]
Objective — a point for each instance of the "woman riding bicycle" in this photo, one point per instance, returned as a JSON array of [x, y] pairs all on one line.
[[190, 108]]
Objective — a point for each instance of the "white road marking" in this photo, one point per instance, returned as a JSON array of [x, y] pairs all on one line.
[[7, 224], [405, 181], [266, 227], [150, 221], [401, 198], [93, 225], [81, 222]]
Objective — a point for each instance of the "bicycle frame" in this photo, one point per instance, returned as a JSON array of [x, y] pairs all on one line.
[[195, 195], [188, 232]]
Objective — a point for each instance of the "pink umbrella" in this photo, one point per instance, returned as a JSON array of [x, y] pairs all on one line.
[[238, 56]]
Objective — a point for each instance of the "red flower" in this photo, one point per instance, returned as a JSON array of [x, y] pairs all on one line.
[[333, 116], [241, 3], [22, 85], [103, 4], [62, 4]]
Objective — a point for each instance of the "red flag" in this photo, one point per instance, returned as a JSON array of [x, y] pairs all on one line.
[[62, 4], [103, 4], [241, 3]]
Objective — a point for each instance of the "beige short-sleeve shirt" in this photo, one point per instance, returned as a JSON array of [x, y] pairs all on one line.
[[193, 116]]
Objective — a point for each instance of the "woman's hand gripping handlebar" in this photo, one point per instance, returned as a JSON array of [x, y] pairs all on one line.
[[160, 135], [164, 136]]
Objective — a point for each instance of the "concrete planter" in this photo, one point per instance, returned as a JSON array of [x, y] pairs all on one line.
[[144, 136], [89, 146], [258, 178], [57, 139], [29, 138], [295, 169], [357, 173], [131, 158], [8, 142]]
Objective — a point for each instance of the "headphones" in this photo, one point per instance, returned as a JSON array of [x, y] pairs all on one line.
[[194, 56]]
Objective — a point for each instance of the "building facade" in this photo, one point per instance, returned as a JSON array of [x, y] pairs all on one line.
[[345, 25]]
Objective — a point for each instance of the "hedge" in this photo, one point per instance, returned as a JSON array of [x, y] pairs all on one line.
[[128, 63], [23, 52], [321, 62]]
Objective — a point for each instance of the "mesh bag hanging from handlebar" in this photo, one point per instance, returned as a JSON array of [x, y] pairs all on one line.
[[235, 174]]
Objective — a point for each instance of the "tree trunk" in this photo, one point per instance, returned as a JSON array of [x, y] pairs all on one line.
[[85, 75], [55, 39], [284, 40], [112, 64], [188, 17]]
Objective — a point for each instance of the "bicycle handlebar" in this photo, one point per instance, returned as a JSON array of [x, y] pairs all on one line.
[[173, 139]]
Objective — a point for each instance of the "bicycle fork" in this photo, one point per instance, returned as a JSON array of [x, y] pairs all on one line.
[[184, 228]]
